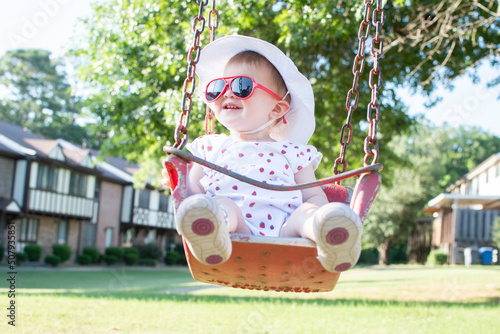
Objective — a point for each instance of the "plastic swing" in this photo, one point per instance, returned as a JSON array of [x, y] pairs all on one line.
[[281, 264]]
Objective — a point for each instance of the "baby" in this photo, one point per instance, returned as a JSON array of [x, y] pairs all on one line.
[[257, 93]]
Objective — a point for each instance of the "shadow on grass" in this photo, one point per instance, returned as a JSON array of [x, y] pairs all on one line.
[[490, 302]]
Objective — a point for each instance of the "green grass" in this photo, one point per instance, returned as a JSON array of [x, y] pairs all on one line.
[[397, 299]]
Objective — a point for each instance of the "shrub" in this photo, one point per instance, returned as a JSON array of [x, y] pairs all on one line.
[[114, 251], [93, 253], [33, 252], [130, 256], [397, 255], [63, 251], [110, 259], [437, 257], [53, 260], [21, 257], [2, 250], [172, 257], [84, 259], [147, 262], [179, 248], [149, 251], [368, 256]]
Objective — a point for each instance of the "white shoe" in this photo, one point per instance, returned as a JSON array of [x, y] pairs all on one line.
[[338, 236], [201, 221]]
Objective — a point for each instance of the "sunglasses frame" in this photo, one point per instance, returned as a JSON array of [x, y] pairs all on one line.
[[228, 82]]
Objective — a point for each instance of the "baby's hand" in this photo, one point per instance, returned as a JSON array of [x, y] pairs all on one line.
[[166, 179]]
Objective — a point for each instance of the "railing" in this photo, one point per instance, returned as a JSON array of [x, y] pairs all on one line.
[[153, 218], [57, 203]]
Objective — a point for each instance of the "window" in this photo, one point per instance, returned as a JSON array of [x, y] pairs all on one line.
[[62, 232], [164, 200], [78, 184], [29, 229], [150, 237], [144, 199], [89, 231], [475, 186], [128, 238], [109, 236], [28, 232], [97, 189], [47, 178]]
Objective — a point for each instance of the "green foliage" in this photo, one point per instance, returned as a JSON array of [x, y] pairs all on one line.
[[130, 256], [147, 262], [149, 251], [84, 259], [368, 256], [63, 251], [432, 157], [36, 95], [93, 253], [33, 252], [110, 259], [172, 257], [53, 260], [437, 257], [21, 257], [136, 62], [179, 248], [2, 251], [114, 251], [397, 255]]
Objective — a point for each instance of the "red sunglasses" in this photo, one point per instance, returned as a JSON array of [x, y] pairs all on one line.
[[242, 87]]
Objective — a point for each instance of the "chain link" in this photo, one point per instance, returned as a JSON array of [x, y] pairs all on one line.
[[371, 146], [353, 94], [181, 135], [375, 82]]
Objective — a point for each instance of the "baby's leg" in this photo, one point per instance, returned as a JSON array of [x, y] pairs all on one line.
[[334, 227], [205, 222], [300, 223], [236, 223]]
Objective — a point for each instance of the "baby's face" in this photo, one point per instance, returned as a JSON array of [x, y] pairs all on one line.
[[249, 114]]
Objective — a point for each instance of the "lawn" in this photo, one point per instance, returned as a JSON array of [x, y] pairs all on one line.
[[396, 299]]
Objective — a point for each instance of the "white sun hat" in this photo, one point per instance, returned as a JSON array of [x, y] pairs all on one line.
[[300, 119]]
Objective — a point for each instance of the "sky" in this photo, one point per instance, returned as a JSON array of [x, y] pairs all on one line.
[[52, 25]]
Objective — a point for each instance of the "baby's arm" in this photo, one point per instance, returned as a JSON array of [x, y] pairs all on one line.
[[195, 175], [313, 195]]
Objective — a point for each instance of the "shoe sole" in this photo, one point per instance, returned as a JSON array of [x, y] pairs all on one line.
[[338, 237], [201, 222]]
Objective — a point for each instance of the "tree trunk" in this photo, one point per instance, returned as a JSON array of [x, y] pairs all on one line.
[[383, 259]]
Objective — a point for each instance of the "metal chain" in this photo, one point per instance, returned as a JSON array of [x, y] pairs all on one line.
[[353, 94], [375, 82], [213, 24], [181, 132]]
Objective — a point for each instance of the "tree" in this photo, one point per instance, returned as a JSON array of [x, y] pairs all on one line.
[[137, 49], [435, 157], [35, 95]]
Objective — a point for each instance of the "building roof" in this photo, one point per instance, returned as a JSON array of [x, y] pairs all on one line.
[[483, 166], [9, 205], [18, 142], [485, 201], [447, 200]]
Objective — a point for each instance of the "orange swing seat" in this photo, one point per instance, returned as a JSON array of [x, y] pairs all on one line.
[[272, 264]]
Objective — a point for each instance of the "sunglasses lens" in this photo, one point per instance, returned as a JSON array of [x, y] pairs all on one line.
[[242, 87], [214, 89]]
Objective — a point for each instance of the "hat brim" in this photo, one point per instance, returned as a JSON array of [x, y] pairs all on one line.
[[300, 118]]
